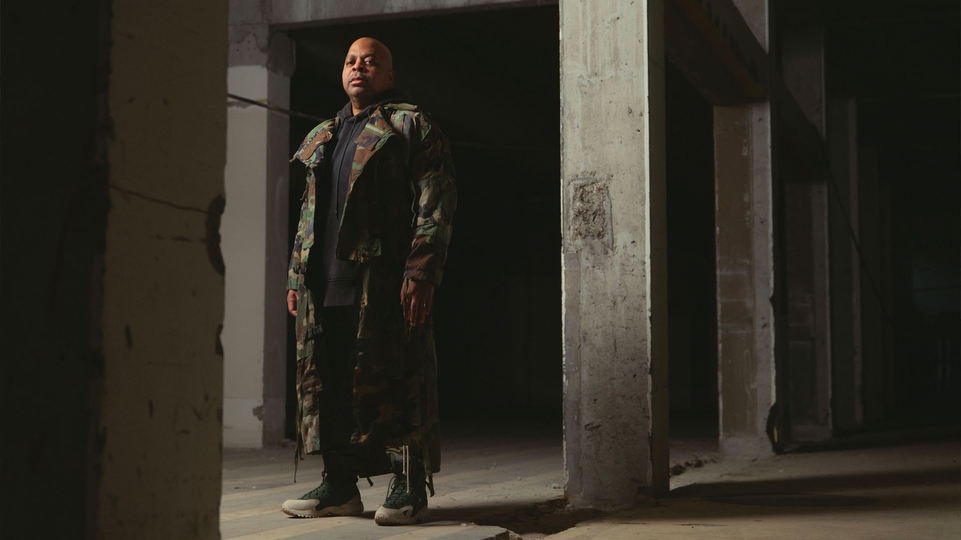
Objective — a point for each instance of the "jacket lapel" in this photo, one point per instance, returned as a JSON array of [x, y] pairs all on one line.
[[311, 152], [371, 140]]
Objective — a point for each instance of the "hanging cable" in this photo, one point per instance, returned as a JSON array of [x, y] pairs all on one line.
[[864, 268], [275, 108]]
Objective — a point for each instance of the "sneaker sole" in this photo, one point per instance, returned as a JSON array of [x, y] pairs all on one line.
[[400, 519], [353, 507]]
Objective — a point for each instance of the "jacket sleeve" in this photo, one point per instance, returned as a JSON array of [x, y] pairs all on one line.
[[435, 199], [293, 271], [310, 153]]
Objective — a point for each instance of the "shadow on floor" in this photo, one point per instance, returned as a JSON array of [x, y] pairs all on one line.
[[820, 483]]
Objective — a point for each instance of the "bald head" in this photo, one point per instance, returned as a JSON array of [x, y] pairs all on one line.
[[368, 72], [376, 47]]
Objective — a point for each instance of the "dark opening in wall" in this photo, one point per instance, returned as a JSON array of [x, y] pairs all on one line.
[[897, 61], [918, 162], [692, 297], [490, 81]]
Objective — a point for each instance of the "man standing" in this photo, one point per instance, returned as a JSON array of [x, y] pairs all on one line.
[[366, 367]]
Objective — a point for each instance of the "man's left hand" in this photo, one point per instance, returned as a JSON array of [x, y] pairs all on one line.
[[419, 301]]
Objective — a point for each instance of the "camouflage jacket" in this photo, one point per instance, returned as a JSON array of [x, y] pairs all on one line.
[[419, 169], [396, 223]]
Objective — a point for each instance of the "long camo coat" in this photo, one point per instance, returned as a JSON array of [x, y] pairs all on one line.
[[397, 224]]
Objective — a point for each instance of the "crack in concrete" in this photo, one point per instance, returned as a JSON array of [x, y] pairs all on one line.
[[156, 200]]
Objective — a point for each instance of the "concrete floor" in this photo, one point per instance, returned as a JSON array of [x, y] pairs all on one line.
[[879, 493], [488, 475], [506, 482]]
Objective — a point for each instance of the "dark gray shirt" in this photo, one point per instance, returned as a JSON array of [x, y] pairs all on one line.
[[340, 280]]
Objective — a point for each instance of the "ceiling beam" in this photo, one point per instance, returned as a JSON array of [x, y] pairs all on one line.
[[711, 43], [301, 13]]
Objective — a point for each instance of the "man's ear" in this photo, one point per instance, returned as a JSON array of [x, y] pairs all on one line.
[[391, 75]]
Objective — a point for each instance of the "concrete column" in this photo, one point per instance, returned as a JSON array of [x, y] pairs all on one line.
[[873, 274], [809, 341], [745, 276], [614, 252], [846, 367], [254, 231], [806, 197], [744, 217], [159, 441]]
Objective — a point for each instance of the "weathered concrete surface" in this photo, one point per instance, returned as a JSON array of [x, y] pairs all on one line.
[[306, 12], [882, 493], [745, 248], [255, 232], [614, 260], [745, 277], [163, 287]]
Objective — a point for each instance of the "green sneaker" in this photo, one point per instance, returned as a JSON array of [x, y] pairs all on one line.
[[337, 495], [406, 503]]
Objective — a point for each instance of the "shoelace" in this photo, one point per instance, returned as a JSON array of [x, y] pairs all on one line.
[[407, 465], [319, 489], [396, 492]]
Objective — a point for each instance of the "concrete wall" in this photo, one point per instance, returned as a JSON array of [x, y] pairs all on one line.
[[244, 240], [255, 231], [614, 260], [160, 423]]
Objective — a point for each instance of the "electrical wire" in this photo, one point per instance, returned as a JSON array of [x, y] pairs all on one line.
[[864, 267], [275, 108]]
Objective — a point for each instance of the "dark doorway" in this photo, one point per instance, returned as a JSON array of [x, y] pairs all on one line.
[[490, 81], [692, 311], [897, 62]]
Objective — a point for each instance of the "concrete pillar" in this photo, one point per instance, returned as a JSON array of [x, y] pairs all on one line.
[[809, 341], [160, 431], [869, 165], [806, 249], [254, 231], [874, 324], [614, 252], [846, 366], [745, 277], [744, 217]]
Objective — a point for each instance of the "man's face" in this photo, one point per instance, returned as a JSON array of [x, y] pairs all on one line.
[[367, 71]]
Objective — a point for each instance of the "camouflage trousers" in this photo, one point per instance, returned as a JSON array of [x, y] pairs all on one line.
[[335, 396], [340, 455], [364, 383]]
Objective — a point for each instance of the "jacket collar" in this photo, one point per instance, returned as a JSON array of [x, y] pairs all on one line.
[[375, 134]]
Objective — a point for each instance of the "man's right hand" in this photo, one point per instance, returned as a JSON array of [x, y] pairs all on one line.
[[292, 302]]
